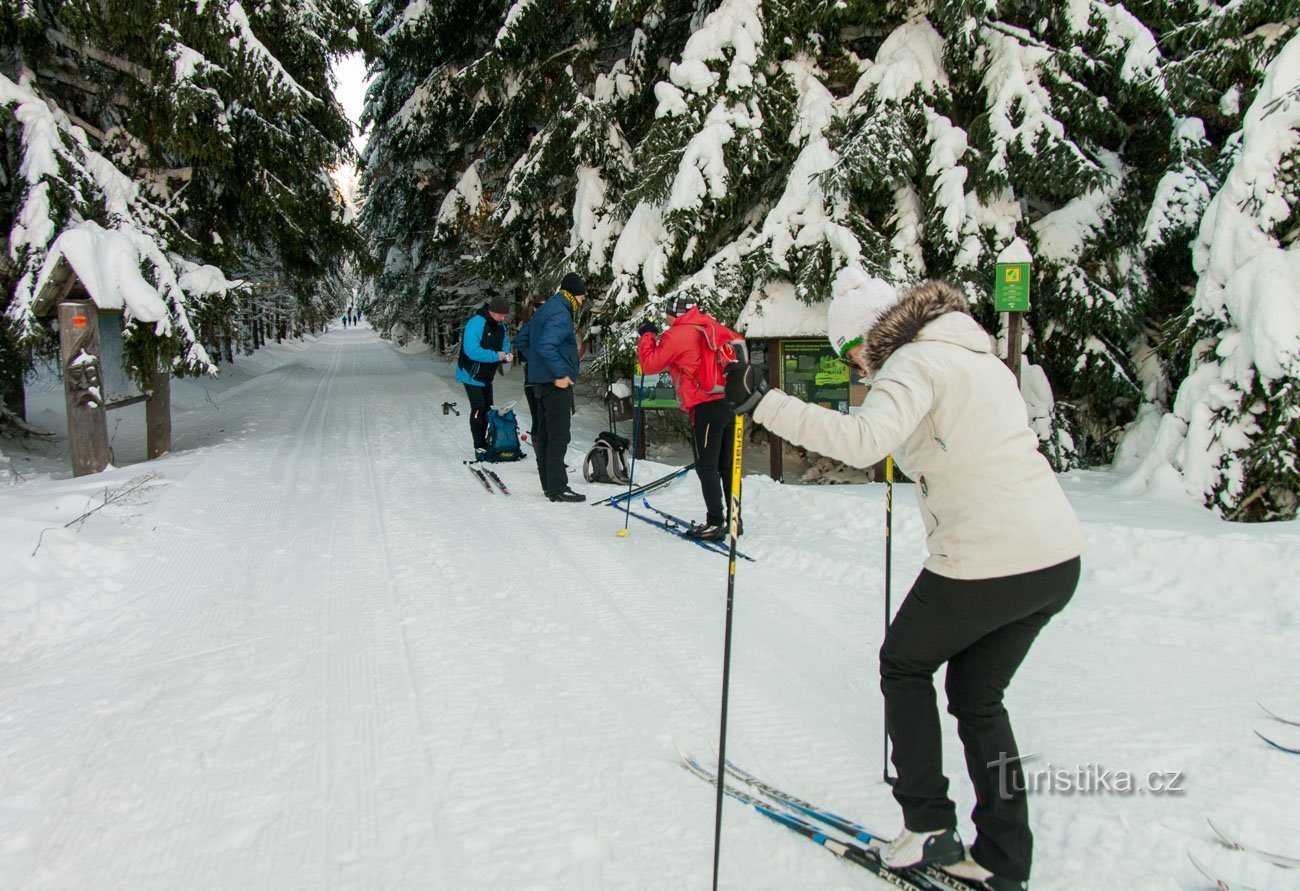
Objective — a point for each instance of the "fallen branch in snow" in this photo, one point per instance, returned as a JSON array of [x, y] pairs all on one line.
[[1250, 499], [132, 487], [22, 426]]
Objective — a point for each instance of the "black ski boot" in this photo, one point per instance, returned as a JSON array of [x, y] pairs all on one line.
[[707, 532]]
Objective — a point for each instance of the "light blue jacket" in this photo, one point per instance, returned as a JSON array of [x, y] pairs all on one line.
[[471, 340]]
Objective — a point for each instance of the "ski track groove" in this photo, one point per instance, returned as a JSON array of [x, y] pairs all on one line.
[[617, 606], [443, 664]]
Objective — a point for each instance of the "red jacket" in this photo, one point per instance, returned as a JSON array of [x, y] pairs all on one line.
[[685, 352]]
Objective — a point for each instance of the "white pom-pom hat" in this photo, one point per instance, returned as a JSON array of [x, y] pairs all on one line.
[[860, 301]]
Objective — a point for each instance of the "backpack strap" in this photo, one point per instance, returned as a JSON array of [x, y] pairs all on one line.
[[715, 350]]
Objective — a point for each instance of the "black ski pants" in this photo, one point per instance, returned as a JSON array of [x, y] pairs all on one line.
[[551, 434], [712, 427], [530, 394], [983, 629], [480, 400]]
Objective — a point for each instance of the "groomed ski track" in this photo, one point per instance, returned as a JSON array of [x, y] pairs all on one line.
[[436, 687], [330, 659]]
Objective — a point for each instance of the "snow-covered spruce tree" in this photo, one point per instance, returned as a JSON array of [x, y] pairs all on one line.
[[498, 144], [62, 196], [1046, 131], [204, 133], [418, 123], [1241, 401], [961, 127]]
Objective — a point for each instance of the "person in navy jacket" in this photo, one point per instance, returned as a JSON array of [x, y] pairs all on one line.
[[484, 345], [550, 343]]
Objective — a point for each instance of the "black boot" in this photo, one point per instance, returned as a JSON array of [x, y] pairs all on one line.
[[707, 532]]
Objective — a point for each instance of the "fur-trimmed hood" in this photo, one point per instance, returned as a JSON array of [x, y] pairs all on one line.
[[903, 322]]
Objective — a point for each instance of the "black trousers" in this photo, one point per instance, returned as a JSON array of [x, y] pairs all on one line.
[[983, 629], [530, 394], [551, 434], [480, 400], [712, 428]]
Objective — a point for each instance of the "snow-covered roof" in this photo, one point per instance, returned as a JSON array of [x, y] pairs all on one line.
[[774, 311], [107, 264]]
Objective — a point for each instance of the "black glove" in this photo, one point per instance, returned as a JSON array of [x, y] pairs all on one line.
[[744, 387], [647, 327]]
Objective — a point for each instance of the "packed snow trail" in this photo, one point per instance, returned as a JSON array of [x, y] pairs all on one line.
[[343, 664], [320, 655]]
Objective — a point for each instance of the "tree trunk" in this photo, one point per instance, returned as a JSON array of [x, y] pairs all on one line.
[[158, 415], [12, 394]]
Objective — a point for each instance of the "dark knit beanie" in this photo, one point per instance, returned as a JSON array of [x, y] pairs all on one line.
[[499, 303], [573, 283]]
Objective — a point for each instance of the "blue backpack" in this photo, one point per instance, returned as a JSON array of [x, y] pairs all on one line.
[[503, 436]]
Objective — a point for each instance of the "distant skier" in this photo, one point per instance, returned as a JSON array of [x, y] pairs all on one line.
[[688, 351], [550, 342], [484, 345], [1004, 549]]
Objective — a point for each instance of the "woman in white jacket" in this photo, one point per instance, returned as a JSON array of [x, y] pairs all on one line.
[[1003, 542]]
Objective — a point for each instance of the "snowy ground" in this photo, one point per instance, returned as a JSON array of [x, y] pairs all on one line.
[[314, 653]]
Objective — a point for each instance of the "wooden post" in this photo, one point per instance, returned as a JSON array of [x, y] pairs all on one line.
[[775, 444], [1015, 324], [1011, 296], [158, 415], [83, 386]]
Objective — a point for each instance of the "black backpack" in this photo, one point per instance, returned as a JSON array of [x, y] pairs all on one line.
[[606, 461]]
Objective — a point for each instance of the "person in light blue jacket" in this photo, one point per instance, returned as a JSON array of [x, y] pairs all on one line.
[[484, 346]]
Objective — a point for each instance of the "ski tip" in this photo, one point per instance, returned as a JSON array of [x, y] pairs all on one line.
[[1203, 870], [1224, 839], [683, 754], [1277, 745], [1275, 716]]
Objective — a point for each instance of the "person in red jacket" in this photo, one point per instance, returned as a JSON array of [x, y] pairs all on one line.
[[689, 350]]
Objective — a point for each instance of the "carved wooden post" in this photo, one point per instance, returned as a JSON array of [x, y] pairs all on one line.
[[83, 387], [158, 415]]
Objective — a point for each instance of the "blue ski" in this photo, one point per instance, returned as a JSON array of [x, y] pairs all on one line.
[[1277, 745], [678, 523], [853, 852], [672, 530], [843, 824]]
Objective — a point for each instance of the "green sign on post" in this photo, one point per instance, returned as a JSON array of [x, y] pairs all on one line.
[[655, 390], [1011, 289], [811, 371]]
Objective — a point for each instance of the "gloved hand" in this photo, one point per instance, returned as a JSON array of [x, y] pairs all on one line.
[[744, 388], [647, 327]]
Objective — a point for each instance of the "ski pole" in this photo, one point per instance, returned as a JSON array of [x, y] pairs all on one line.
[[733, 532], [631, 474], [889, 555]]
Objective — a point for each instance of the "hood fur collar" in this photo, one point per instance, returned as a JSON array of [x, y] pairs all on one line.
[[903, 321]]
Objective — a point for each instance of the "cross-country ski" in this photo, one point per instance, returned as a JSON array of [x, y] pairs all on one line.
[[1277, 717], [482, 477], [1220, 883], [1290, 750], [1275, 859], [867, 858]]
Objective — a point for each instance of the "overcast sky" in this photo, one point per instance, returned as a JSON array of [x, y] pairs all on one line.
[[350, 71]]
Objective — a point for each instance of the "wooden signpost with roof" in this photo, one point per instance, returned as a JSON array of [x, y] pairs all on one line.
[[84, 377]]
